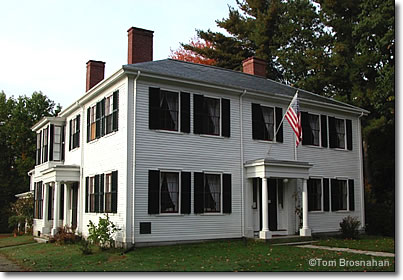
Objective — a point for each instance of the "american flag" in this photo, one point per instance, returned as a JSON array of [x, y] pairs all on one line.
[[293, 115]]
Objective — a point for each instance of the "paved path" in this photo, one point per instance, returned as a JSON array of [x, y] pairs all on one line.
[[347, 250], [7, 265]]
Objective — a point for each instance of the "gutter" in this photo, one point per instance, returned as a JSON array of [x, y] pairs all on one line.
[[242, 168]]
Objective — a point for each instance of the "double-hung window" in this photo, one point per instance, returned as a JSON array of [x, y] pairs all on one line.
[[315, 196], [339, 195], [340, 133], [91, 194], [45, 144], [169, 192], [310, 129], [109, 114], [212, 116], [265, 122], [38, 200], [74, 135], [166, 111], [93, 119], [38, 147], [212, 193], [108, 193]]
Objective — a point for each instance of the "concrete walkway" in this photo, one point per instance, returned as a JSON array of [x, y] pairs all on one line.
[[347, 250], [7, 265]]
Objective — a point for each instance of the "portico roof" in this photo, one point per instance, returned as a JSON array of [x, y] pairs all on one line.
[[274, 168]]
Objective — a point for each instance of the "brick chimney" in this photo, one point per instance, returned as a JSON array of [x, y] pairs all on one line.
[[95, 73], [254, 66], [140, 46]]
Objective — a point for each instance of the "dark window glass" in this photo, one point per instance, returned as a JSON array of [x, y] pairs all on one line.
[[212, 119], [314, 195], [340, 133], [169, 191]]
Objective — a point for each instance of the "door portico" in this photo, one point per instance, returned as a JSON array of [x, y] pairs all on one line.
[[266, 169]]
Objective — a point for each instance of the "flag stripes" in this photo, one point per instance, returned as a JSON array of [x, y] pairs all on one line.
[[293, 116]]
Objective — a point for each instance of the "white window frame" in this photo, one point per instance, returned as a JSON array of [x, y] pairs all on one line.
[[347, 196], [179, 111], [221, 192], [345, 134], [322, 198]]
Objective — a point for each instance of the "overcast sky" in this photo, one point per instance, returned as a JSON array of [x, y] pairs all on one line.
[[44, 45]]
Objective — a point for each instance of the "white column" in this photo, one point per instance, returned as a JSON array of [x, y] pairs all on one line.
[[265, 233], [66, 210], [305, 230], [56, 208], [45, 228]]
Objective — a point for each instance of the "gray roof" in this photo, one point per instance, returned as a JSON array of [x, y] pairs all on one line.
[[225, 77]]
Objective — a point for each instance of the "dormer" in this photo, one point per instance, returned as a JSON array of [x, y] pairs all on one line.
[[50, 139]]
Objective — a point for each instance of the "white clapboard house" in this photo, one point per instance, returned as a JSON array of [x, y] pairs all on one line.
[[176, 151]]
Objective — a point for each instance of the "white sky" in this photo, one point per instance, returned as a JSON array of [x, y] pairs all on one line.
[[44, 45]]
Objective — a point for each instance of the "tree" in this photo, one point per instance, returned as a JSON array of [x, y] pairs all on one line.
[[17, 144], [191, 56]]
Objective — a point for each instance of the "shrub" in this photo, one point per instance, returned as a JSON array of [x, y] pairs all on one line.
[[102, 234], [349, 227], [65, 235], [85, 247], [22, 215]]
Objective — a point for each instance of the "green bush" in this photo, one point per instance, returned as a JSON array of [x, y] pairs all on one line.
[[103, 233], [349, 227], [85, 247]]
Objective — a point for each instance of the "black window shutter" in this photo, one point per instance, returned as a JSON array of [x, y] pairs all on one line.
[[78, 130], [101, 193], [115, 121], [226, 117], [50, 202], [114, 190], [154, 108], [335, 194], [63, 140], [326, 194], [323, 127], [198, 192], [185, 192], [52, 137], [86, 193], [61, 212], [185, 112], [153, 192], [349, 132], [198, 104], [102, 117], [279, 117], [332, 133], [254, 193], [227, 197], [98, 120], [70, 135], [351, 200], [88, 124], [96, 193], [306, 129], [257, 117], [310, 195]]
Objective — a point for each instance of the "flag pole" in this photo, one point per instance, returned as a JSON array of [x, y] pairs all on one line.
[[282, 120]]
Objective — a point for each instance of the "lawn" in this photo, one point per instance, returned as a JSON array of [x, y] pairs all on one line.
[[366, 242], [232, 255], [6, 241]]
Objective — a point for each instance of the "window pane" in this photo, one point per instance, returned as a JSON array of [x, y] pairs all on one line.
[[315, 130], [212, 193], [340, 130], [169, 109], [169, 192], [315, 194]]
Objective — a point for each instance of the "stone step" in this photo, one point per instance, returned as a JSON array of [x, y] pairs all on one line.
[[41, 239]]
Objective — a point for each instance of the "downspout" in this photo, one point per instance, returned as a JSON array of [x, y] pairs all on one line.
[[81, 186], [134, 154], [361, 172], [242, 168]]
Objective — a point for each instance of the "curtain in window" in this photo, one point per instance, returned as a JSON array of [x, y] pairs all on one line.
[[340, 133], [213, 112], [172, 100], [268, 118], [212, 193], [169, 192]]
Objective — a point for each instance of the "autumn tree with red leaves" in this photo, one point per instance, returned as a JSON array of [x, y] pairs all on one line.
[[190, 56]]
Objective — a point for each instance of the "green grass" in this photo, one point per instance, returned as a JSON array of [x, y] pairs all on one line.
[[208, 256], [366, 242], [12, 241]]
